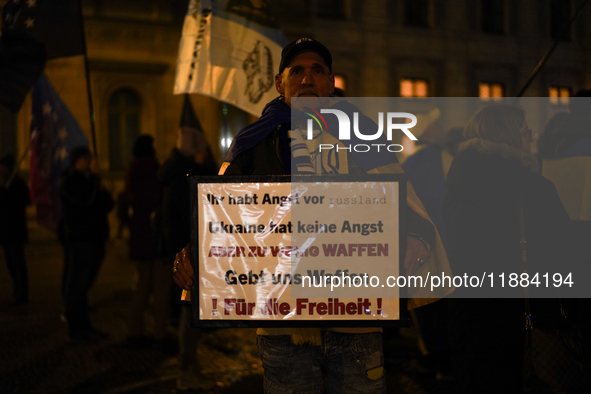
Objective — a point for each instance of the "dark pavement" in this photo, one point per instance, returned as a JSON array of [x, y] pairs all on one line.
[[35, 356]]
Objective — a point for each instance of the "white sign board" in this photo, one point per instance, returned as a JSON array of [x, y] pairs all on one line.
[[277, 251]]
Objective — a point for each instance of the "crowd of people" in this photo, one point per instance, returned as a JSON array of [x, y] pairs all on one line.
[[476, 197]]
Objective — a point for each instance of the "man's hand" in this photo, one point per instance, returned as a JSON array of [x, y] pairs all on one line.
[[183, 271], [416, 253]]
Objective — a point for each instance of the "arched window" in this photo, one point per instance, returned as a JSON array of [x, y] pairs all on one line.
[[124, 127]]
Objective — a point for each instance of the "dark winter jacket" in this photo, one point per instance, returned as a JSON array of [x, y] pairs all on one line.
[[144, 194], [85, 205], [268, 157], [13, 211], [570, 170], [271, 155], [176, 200], [481, 213]]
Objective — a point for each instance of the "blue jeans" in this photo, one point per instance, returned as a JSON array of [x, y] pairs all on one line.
[[343, 364]]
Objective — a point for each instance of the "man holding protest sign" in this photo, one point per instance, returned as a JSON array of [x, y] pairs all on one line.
[[297, 359]]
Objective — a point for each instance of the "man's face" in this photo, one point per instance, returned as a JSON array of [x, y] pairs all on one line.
[[306, 76], [526, 136], [84, 164], [191, 142]]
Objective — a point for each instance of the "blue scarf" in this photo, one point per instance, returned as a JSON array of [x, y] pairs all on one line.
[[274, 114], [278, 113]]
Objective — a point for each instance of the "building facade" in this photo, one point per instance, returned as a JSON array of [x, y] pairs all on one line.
[[381, 48]]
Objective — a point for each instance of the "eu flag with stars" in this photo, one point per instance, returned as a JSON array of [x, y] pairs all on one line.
[[54, 133]]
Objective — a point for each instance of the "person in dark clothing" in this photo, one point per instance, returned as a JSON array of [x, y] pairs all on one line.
[[552, 136], [14, 198], [85, 229], [427, 170], [144, 194], [188, 158], [191, 156], [298, 359], [481, 215], [577, 129], [122, 211], [173, 175], [570, 164]]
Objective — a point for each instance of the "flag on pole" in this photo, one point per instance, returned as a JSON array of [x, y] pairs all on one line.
[[188, 116], [22, 60], [190, 125], [230, 50], [32, 31], [54, 133], [55, 23]]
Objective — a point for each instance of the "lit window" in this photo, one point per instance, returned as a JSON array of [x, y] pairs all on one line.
[[339, 82], [421, 89], [484, 90], [488, 90], [497, 90], [406, 88], [414, 88], [559, 95]]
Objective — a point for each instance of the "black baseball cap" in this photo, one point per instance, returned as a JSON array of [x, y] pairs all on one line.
[[304, 44]]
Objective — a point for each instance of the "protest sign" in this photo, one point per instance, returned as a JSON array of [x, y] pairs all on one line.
[[269, 251]]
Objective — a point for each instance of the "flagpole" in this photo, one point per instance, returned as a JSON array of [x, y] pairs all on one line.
[[545, 58], [88, 86]]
